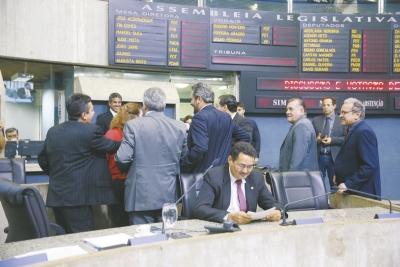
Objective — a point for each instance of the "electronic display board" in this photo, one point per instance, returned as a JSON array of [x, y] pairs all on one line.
[[287, 55], [150, 34]]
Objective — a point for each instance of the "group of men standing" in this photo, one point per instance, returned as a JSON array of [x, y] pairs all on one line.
[[155, 148], [343, 146]]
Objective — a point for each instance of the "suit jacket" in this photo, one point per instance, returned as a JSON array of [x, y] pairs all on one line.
[[209, 138], [337, 134], [215, 194], [299, 149], [245, 123], [357, 164], [74, 157], [104, 120], [150, 153], [256, 139], [21, 93]]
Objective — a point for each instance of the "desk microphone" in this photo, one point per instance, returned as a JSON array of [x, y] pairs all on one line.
[[377, 216], [284, 223], [215, 162]]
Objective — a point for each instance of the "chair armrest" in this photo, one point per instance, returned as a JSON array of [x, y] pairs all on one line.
[[57, 228]]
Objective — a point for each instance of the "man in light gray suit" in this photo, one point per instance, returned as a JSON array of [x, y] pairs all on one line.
[[299, 150], [150, 153], [330, 137]]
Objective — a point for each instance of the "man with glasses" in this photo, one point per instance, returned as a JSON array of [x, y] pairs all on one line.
[[357, 164], [12, 134], [230, 191]]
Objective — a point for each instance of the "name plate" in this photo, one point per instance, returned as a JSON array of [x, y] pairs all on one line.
[[307, 221], [147, 239]]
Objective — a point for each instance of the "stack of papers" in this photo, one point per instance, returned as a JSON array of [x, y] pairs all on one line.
[[260, 215], [109, 241]]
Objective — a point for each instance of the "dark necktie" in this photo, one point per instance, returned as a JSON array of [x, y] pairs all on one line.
[[325, 131], [242, 200], [346, 132]]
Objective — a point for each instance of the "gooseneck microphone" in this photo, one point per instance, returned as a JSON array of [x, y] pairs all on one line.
[[284, 223], [215, 162], [377, 216]]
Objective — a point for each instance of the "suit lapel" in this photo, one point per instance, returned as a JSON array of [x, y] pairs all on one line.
[[351, 132], [226, 189]]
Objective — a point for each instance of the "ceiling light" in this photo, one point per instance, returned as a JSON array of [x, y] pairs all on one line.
[[223, 87], [21, 77], [181, 85]]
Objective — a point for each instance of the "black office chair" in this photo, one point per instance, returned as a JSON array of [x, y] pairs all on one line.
[[25, 212], [189, 200], [13, 169], [293, 186]]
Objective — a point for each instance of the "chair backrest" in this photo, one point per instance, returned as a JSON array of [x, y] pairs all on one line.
[[25, 212], [292, 186], [189, 200], [13, 169]]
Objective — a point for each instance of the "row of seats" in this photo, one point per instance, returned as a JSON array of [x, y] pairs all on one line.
[[28, 219]]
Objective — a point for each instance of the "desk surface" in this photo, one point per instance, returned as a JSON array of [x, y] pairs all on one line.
[[192, 227]]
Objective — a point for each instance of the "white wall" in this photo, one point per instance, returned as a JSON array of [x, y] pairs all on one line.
[[73, 31]]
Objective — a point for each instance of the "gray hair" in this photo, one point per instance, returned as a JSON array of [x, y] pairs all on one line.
[[357, 106], [204, 90], [155, 99], [300, 103]]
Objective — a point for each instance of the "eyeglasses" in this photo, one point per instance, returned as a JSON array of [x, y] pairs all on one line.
[[242, 166], [345, 112]]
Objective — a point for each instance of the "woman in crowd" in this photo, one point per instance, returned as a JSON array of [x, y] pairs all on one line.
[[127, 112], [187, 121]]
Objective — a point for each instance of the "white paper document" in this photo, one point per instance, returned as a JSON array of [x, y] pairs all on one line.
[[57, 253], [109, 241], [260, 215]]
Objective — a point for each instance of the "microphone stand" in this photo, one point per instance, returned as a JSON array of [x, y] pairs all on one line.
[[377, 216], [284, 223]]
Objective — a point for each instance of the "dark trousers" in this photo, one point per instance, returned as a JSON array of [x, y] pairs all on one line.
[[145, 216], [119, 216], [75, 219], [326, 165]]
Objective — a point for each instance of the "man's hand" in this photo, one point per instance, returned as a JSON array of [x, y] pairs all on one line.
[[334, 179], [274, 216], [326, 141], [319, 138], [240, 217], [342, 185]]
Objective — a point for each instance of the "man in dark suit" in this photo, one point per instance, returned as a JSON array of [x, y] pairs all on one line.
[[228, 104], [104, 119], [74, 157], [150, 153], [256, 138], [330, 137], [229, 192], [357, 163], [210, 132], [26, 92], [299, 149]]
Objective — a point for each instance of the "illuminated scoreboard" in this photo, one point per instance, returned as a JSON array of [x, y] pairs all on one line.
[[277, 54]]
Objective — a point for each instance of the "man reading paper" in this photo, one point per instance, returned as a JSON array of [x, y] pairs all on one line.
[[230, 191]]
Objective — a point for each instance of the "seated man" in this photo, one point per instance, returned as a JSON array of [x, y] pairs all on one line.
[[229, 191]]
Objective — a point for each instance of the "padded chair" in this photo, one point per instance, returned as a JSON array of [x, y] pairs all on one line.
[[25, 212], [13, 169], [293, 186], [189, 200]]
